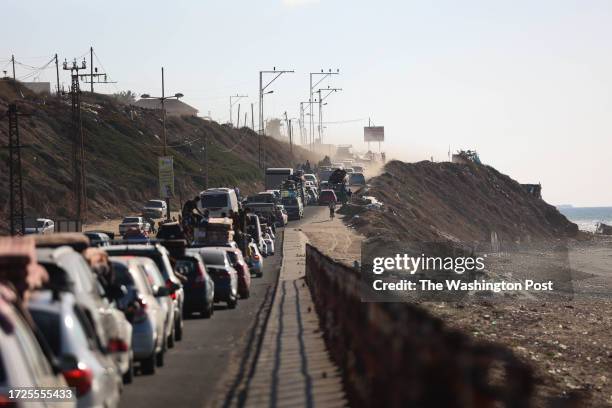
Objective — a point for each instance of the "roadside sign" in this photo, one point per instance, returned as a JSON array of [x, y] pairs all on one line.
[[374, 134], [166, 176]]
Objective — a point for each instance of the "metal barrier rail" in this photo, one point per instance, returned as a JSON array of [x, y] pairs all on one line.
[[398, 355]]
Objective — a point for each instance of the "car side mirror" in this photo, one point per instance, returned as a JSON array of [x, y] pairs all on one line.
[[162, 291]]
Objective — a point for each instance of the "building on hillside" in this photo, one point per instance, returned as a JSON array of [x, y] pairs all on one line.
[[174, 107], [38, 87], [273, 127]]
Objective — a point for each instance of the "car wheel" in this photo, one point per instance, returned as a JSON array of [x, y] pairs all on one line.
[[171, 339], [147, 366], [128, 377], [178, 330], [208, 311], [232, 303], [159, 358]]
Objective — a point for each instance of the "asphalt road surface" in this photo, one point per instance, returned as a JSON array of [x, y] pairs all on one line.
[[195, 367]]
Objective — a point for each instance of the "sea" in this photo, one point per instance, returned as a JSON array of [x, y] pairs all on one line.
[[587, 217]]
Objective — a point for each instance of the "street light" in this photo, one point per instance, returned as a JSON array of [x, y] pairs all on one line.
[[162, 100]]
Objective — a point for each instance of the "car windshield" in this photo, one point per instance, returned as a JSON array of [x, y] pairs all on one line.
[[40, 223], [357, 178], [214, 257], [214, 200], [155, 204], [49, 324], [261, 198], [130, 220], [186, 267]]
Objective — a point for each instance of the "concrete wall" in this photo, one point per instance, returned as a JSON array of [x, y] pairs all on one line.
[[398, 355]]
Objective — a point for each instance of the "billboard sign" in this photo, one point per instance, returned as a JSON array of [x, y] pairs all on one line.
[[166, 176], [374, 134]]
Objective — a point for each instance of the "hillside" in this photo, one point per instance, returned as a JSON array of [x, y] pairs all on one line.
[[463, 203], [122, 144]]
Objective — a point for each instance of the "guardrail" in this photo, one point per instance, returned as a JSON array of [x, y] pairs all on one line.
[[398, 355]]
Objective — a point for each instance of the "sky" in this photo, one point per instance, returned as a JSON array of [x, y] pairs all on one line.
[[528, 84]]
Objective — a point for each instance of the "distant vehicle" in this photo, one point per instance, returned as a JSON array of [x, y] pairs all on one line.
[[324, 185], [244, 275], [136, 236], [200, 287], [312, 178], [170, 230], [218, 201], [144, 312], [263, 197], [133, 222], [276, 176], [223, 274], [294, 207], [64, 324], [22, 360], [254, 259], [349, 170], [254, 230], [276, 193], [99, 239], [357, 179], [324, 176], [327, 196], [155, 209], [359, 168], [337, 165], [161, 257], [41, 226]]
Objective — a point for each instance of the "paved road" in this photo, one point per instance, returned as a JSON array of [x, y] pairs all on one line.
[[195, 367]]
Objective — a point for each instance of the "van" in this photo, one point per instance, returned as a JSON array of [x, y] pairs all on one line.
[[276, 176], [218, 201]]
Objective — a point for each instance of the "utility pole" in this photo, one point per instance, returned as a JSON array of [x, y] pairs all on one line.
[[236, 97], [78, 143], [324, 75], [162, 100], [57, 75], [245, 120], [238, 120], [13, 60], [252, 118], [94, 75], [321, 99], [16, 204], [206, 160], [262, 88]]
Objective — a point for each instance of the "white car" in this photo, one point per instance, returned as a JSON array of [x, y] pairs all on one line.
[[155, 209], [218, 201], [311, 178], [41, 226], [66, 328], [133, 222]]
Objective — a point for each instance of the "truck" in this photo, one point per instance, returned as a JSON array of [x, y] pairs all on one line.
[[293, 197], [276, 176]]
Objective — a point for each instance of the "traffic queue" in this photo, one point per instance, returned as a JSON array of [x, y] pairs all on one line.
[[91, 310]]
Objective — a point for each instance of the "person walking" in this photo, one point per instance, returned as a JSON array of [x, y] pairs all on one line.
[[332, 210]]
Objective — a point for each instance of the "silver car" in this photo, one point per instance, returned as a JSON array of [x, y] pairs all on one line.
[[144, 312], [66, 328], [22, 361], [157, 281]]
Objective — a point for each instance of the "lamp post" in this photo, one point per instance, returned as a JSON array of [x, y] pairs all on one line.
[[162, 100]]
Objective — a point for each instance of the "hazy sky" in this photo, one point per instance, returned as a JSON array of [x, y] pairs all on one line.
[[528, 84]]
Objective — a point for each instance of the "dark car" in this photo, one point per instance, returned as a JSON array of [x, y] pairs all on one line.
[[222, 272], [199, 288], [170, 231]]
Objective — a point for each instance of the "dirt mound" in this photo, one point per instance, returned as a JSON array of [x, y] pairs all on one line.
[[462, 203], [122, 144]]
